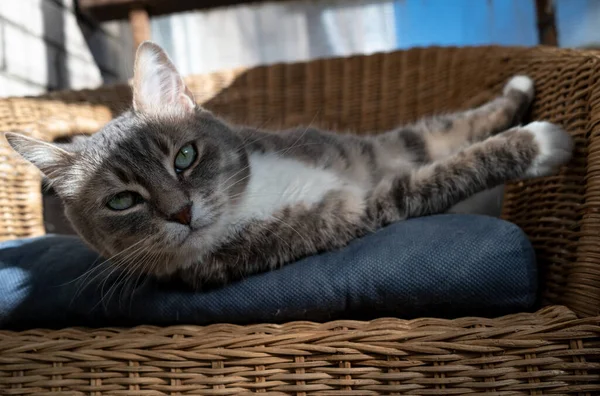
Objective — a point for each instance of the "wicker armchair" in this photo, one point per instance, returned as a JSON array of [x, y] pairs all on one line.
[[553, 351]]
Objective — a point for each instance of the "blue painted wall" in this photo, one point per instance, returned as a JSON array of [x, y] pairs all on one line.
[[465, 22], [480, 22], [578, 22]]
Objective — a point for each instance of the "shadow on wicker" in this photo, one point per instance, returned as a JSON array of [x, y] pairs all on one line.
[[553, 351]]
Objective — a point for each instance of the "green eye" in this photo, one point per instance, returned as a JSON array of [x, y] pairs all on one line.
[[185, 157], [123, 200]]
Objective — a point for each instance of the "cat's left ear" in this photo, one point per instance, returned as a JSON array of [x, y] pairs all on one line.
[[49, 158], [158, 89]]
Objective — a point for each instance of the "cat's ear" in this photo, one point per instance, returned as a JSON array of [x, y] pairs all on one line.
[[158, 89], [47, 157]]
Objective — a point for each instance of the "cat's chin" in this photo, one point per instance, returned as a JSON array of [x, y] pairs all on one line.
[[189, 238], [191, 249], [173, 261]]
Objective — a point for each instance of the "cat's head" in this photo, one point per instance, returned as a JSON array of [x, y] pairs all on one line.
[[156, 184]]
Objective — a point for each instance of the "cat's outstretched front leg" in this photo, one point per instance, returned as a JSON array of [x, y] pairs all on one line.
[[444, 135], [448, 134], [537, 149]]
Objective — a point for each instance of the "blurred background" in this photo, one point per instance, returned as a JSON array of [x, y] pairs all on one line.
[[47, 45]]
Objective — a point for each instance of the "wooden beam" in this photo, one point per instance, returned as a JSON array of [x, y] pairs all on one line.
[[106, 10], [140, 25], [546, 22]]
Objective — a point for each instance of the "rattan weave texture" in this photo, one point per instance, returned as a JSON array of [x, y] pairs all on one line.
[[547, 353]]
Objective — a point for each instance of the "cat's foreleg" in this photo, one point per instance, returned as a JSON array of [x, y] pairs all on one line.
[[444, 135], [537, 149]]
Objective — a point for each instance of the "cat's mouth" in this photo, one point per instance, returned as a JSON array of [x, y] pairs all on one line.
[[194, 231]]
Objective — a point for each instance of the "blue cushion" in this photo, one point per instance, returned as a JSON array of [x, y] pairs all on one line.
[[445, 266]]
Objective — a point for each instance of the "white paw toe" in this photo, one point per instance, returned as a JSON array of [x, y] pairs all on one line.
[[555, 147], [522, 84]]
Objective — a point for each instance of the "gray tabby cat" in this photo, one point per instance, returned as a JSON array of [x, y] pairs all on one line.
[[169, 188]]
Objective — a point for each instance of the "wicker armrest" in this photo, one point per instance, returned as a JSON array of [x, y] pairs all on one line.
[[373, 93]]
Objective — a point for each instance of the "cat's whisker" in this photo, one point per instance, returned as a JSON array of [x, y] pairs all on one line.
[[248, 166], [130, 264], [245, 143], [278, 237], [292, 228], [81, 279], [101, 269], [261, 194], [131, 271], [144, 269], [303, 133], [234, 175], [237, 181], [139, 267], [285, 150], [148, 268], [117, 268], [123, 262], [115, 265], [95, 266]]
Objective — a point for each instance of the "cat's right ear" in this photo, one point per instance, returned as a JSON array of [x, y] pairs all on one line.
[[158, 89], [47, 157]]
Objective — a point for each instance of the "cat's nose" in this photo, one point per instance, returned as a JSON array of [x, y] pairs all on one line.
[[183, 215]]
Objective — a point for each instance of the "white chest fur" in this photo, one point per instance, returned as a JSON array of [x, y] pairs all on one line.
[[276, 183]]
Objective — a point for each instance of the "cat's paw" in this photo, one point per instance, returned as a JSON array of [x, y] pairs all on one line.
[[522, 84], [555, 147]]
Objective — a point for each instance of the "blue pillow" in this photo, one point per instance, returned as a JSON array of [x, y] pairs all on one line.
[[444, 266]]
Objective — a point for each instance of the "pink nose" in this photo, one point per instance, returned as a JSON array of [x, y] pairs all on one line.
[[183, 215]]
